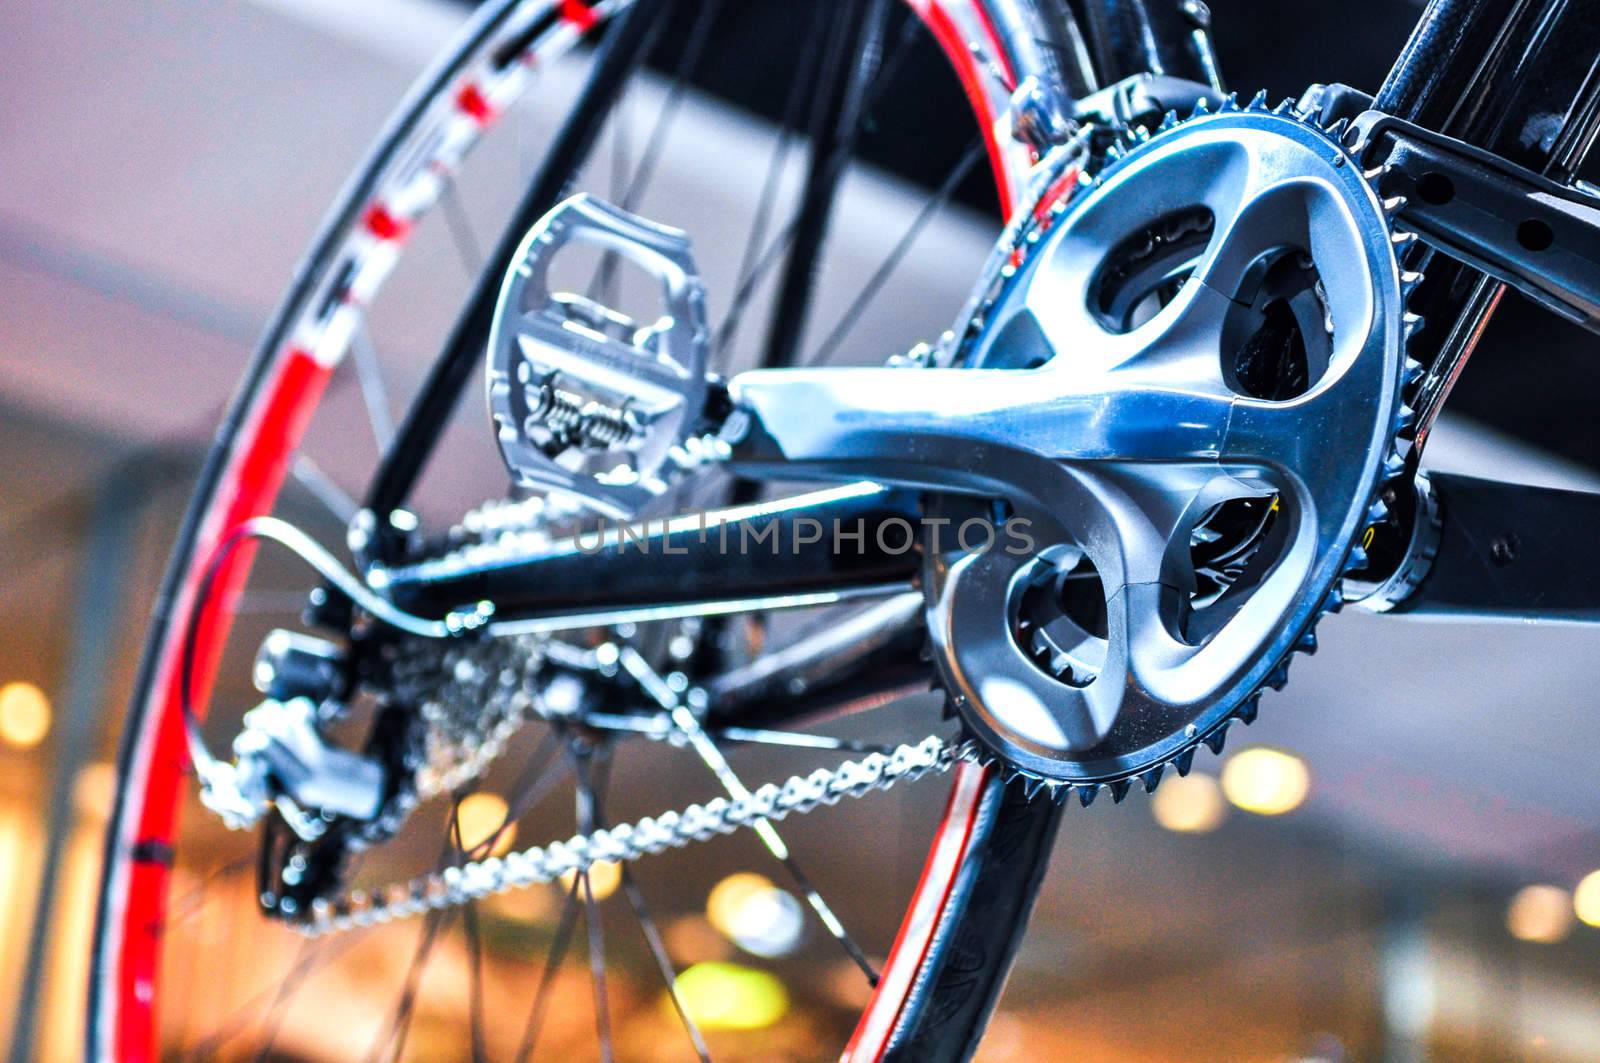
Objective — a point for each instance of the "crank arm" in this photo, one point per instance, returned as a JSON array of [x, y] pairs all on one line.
[[1490, 550], [1534, 234]]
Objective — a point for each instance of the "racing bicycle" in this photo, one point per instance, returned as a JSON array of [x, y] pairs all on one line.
[[704, 564]]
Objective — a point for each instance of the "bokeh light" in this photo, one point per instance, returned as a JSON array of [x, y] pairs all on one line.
[[24, 715], [478, 817], [1540, 913], [1586, 899], [1265, 781], [604, 878], [1189, 804], [731, 996], [755, 914]]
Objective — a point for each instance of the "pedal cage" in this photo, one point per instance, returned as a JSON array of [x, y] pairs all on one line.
[[587, 401]]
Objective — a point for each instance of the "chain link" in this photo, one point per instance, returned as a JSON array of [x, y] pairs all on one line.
[[480, 878]]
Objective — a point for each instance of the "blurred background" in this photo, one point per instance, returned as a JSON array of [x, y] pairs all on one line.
[[1391, 865]]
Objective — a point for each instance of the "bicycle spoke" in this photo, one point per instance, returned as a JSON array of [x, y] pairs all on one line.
[[657, 727], [588, 816], [399, 1027], [748, 276], [462, 233], [552, 962], [374, 390], [875, 283], [711, 755], [308, 962], [279, 1011], [469, 919], [693, 50], [333, 497], [194, 902], [846, 72], [538, 777], [628, 195], [746, 288], [658, 949]]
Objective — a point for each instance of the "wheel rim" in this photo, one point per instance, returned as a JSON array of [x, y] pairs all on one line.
[[452, 105]]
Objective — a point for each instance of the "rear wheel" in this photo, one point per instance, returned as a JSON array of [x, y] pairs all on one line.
[[174, 970]]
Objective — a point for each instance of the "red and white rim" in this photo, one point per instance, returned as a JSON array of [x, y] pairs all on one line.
[[270, 431]]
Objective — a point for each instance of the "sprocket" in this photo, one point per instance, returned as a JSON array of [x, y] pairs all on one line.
[[1247, 232]]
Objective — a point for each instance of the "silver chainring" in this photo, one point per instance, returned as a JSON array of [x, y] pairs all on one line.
[[1239, 257]]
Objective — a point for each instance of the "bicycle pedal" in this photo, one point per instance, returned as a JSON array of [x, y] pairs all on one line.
[[586, 400]]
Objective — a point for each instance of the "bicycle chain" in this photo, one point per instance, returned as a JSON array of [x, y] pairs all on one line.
[[475, 879]]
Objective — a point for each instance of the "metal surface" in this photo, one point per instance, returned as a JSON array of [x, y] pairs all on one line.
[[585, 400], [1116, 451], [1170, 37], [627, 41], [820, 543], [1538, 235], [1422, 517], [1510, 551], [282, 759], [1510, 76], [628, 841]]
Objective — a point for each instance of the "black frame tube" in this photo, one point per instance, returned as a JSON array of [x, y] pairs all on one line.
[[1165, 37], [788, 548], [853, 51], [1518, 78], [620, 53]]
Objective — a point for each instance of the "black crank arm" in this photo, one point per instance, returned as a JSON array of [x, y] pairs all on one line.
[[1504, 551]]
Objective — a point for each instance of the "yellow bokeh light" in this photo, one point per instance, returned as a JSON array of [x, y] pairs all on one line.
[[604, 878], [730, 996], [728, 899], [1586, 899], [1266, 781], [478, 817], [1189, 804], [1540, 913], [755, 915], [24, 715]]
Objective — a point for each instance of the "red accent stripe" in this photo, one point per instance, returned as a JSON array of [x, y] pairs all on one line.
[[946, 856], [955, 48], [249, 488], [471, 101], [1059, 190], [995, 46], [384, 225], [579, 14]]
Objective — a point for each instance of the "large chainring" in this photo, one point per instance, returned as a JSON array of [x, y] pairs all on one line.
[[1237, 256]]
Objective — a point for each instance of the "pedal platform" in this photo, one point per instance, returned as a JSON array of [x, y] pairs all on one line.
[[586, 400]]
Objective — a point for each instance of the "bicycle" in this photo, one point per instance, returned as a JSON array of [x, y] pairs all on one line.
[[1182, 410]]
